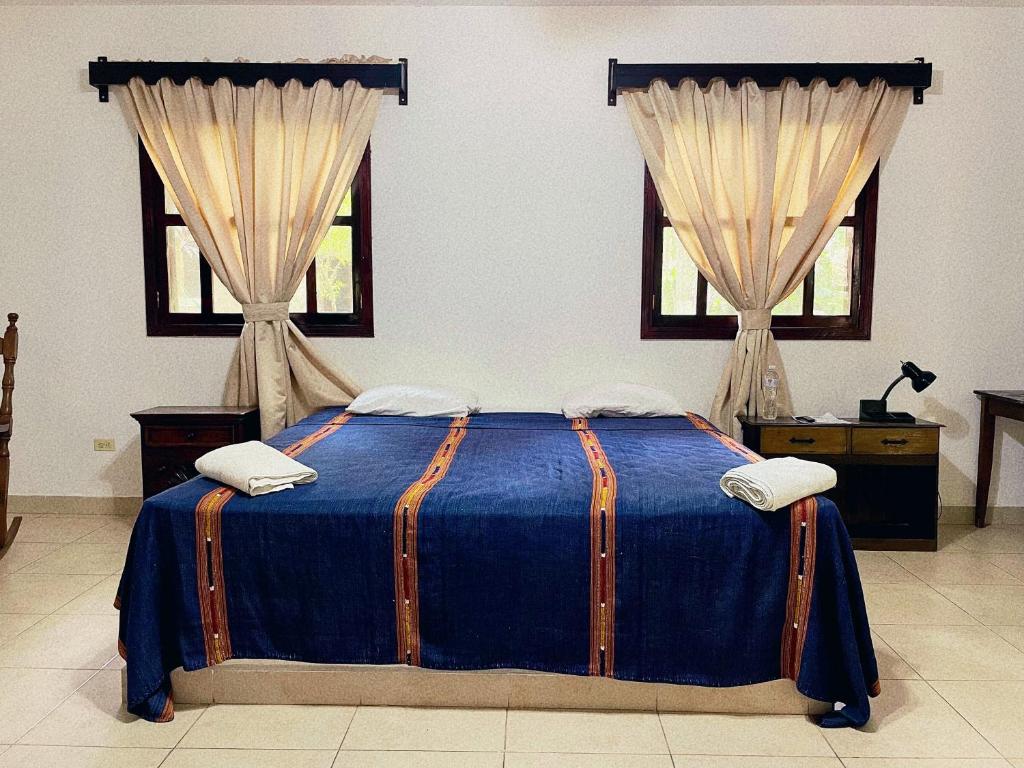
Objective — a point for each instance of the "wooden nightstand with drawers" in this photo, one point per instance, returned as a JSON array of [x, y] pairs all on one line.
[[888, 474], [173, 437]]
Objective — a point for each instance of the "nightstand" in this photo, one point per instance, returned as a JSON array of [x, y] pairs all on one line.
[[173, 437], [888, 474]]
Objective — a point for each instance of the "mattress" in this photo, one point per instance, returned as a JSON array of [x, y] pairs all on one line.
[[600, 547]]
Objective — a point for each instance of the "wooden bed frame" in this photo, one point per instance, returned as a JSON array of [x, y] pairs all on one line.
[[9, 347], [241, 681]]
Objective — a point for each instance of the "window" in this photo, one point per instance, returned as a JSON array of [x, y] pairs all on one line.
[[185, 298], [834, 301]]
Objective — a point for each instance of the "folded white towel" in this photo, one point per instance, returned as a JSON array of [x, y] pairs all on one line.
[[254, 467], [776, 483]]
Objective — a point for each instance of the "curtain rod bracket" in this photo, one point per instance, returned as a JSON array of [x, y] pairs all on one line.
[[104, 73], [919, 91], [104, 91]]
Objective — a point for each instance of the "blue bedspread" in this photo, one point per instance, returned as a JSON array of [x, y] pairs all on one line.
[[502, 540]]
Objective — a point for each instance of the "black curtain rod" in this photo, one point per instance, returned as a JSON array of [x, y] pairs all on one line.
[[917, 75], [103, 73]]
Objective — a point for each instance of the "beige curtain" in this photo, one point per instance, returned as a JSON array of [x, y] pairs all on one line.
[[755, 182], [258, 174]]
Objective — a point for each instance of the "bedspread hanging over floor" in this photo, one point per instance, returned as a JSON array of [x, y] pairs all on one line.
[[502, 540]]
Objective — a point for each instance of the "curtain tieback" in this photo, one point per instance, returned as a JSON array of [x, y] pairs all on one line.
[[755, 319], [254, 313]]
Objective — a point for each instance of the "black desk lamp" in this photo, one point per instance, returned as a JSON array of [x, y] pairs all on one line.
[[876, 410]]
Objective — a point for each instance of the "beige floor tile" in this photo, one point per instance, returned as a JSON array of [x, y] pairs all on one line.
[[993, 708], [1012, 564], [99, 599], [93, 716], [776, 697], [955, 653], [994, 604], [63, 642], [910, 604], [532, 691], [1013, 635], [950, 536], [59, 529], [117, 531], [27, 695], [400, 728], [13, 624], [768, 735], [40, 592], [81, 557], [954, 568], [421, 760], [23, 553], [295, 726], [35, 756], [554, 760], [586, 732], [249, 758], [890, 665], [1018, 762], [927, 762], [909, 719], [879, 568], [995, 539], [753, 761]]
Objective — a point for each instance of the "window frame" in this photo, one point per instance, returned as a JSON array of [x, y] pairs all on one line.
[[806, 326], [160, 321]]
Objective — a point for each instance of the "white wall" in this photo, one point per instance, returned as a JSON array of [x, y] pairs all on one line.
[[507, 215]]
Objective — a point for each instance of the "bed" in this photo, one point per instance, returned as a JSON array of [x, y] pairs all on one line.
[[526, 541]]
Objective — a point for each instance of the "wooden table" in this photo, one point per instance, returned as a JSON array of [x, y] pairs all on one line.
[[994, 402]]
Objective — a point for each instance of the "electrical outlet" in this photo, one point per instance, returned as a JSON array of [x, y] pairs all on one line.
[[103, 444]]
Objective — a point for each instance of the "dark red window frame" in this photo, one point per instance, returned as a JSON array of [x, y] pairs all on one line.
[[807, 325], [160, 321]]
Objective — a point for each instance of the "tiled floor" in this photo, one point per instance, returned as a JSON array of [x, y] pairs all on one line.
[[948, 628]]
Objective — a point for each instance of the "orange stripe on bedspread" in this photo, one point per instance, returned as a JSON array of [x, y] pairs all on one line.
[[209, 553], [602, 552], [406, 565]]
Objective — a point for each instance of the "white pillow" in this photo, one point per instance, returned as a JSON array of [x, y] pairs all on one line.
[[619, 400], [411, 400]]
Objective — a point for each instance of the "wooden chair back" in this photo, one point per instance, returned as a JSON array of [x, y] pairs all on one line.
[[9, 347]]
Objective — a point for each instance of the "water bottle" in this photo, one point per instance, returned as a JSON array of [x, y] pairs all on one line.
[[771, 394]]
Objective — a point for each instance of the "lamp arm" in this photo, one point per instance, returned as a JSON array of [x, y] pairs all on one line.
[[897, 380]]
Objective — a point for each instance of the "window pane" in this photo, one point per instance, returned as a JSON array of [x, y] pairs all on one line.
[[718, 305], [298, 303], [183, 271], [334, 272], [833, 273], [169, 206], [678, 277], [224, 302], [792, 305], [346, 204]]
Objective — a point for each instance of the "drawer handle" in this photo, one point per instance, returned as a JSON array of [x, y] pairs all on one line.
[[894, 441], [803, 440], [190, 435]]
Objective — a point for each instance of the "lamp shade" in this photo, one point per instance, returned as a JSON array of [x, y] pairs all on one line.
[[919, 380]]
